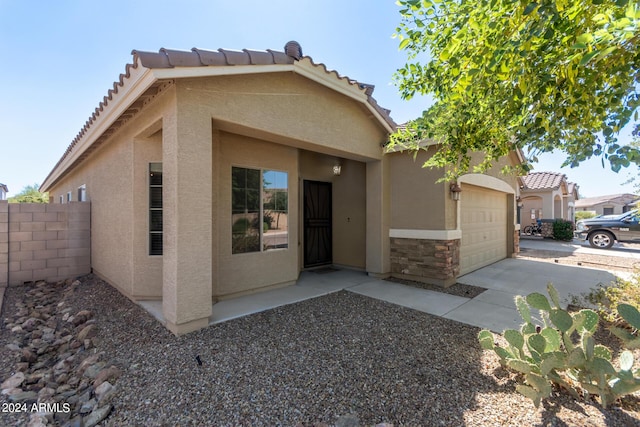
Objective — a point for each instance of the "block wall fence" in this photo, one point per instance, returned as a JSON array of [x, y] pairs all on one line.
[[44, 241]]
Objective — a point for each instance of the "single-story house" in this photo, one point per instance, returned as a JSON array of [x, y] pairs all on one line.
[[612, 204], [214, 174], [546, 195], [3, 192]]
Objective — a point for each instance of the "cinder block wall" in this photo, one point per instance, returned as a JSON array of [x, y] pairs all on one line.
[[44, 241]]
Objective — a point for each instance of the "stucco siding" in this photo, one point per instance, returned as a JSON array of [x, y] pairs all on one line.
[[288, 109], [108, 177], [417, 201], [241, 273]]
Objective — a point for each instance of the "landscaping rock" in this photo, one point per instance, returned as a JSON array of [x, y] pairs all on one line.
[[97, 416], [14, 381], [109, 374]]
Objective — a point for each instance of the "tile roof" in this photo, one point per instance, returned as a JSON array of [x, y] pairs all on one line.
[[543, 180], [618, 199], [170, 58]]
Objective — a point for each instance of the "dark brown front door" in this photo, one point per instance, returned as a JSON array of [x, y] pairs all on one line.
[[317, 223]]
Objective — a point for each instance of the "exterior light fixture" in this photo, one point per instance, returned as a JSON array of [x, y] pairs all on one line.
[[455, 190], [337, 169]]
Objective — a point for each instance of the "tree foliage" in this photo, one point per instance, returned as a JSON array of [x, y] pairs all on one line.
[[540, 75], [30, 194]]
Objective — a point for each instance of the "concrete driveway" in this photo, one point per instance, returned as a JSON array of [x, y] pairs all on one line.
[[495, 308]]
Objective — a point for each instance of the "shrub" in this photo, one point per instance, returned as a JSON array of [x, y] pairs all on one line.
[[563, 352], [606, 298], [584, 215], [562, 230]]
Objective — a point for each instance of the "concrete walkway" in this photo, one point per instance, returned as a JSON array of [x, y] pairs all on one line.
[[493, 309]]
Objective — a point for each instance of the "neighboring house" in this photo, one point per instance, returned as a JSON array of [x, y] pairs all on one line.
[[546, 195], [609, 205], [214, 174], [3, 192]]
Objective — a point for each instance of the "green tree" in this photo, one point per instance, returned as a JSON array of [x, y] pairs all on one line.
[[537, 75], [30, 194]]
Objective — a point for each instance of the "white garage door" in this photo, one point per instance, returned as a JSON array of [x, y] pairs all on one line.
[[484, 227]]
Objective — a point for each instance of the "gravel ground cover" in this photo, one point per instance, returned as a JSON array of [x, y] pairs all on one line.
[[342, 359]]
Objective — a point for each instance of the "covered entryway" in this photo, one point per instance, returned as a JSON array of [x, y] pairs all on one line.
[[318, 247], [483, 220]]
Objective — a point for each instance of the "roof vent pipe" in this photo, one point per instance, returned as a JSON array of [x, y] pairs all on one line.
[[293, 50]]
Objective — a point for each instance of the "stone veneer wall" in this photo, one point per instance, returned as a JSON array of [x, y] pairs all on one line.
[[431, 261], [44, 241]]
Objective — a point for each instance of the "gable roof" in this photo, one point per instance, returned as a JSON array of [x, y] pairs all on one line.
[[618, 199], [4, 187], [150, 72], [543, 181]]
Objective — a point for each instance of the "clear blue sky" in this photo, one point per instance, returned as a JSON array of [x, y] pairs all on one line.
[[59, 59]]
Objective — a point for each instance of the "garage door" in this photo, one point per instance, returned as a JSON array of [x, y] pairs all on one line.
[[484, 227]]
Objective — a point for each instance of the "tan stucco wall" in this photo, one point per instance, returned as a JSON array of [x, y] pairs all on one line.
[[108, 176], [349, 201], [288, 109], [417, 201], [117, 198], [239, 273]]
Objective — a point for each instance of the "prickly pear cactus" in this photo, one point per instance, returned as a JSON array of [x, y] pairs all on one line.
[[561, 350]]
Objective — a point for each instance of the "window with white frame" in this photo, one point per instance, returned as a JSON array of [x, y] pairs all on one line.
[[61, 199], [259, 210], [155, 208], [82, 193], [68, 196]]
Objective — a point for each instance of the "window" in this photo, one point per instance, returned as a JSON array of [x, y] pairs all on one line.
[[259, 210], [155, 208], [82, 193], [68, 196], [607, 211], [61, 199]]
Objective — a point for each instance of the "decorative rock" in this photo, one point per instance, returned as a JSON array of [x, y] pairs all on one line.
[[62, 417], [91, 360], [22, 366], [104, 391], [31, 323], [25, 396], [28, 356], [37, 420], [92, 371], [97, 416], [13, 381], [87, 332], [350, 420], [13, 347], [88, 406], [17, 329], [109, 374], [76, 422], [45, 394]]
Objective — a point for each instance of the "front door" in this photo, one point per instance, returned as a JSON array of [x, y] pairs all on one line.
[[317, 223]]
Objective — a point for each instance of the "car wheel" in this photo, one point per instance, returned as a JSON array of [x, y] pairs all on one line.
[[601, 239]]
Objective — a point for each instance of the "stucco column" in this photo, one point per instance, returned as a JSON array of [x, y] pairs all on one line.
[[187, 212], [548, 205], [378, 218]]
